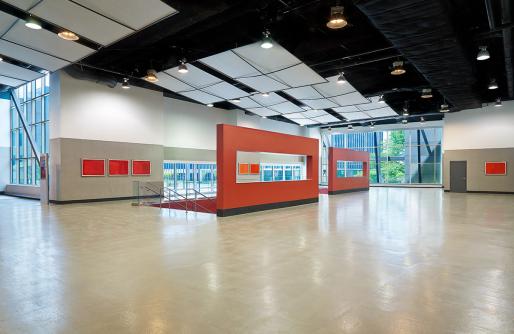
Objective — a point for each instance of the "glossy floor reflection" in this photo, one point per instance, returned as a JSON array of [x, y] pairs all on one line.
[[388, 261]]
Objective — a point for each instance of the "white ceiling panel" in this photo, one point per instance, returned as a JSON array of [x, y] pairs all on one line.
[[286, 108], [350, 99], [17, 72], [23, 4], [355, 115], [267, 60], [304, 93], [171, 83], [201, 97], [294, 115], [264, 111], [299, 75], [195, 76], [247, 103], [346, 109], [326, 119], [319, 104], [382, 112], [81, 21], [305, 121], [134, 13], [47, 42], [225, 90], [10, 81], [263, 83], [332, 88], [314, 113], [32, 57], [230, 64], [272, 99], [6, 21]]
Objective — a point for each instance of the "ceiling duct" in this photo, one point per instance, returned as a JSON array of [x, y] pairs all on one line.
[[80, 73], [422, 31]]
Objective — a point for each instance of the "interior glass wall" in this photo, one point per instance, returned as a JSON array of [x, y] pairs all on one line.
[[182, 175], [281, 172], [34, 104], [404, 156]]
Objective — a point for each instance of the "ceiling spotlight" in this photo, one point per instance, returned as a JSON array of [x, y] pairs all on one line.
[[329, 128], [422, 120], [483, 54], [267, 42], [381, 99], [125, 84], [372, 125], [182, 68], [68, 35], [493, 84], [444, 108], [265, 94], [398, 68], [337, 19], [263, 116], [341, 79], [404, 121], [406, 109], [151, 76], [210, 105], [1, 59], [32, 23], [350, 127], [426, 93], [498, 102], [235, 100]]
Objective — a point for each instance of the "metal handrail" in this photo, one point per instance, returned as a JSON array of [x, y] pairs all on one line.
[[196, 192], [178, 195]]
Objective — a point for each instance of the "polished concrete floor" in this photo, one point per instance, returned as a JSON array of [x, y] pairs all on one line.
[[388, 261]]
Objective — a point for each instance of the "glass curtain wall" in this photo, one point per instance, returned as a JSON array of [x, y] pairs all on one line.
[[181, 175], [34, 104], [404, 156]]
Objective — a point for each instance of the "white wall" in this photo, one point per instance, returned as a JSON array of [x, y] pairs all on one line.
[[4, 143], [96, 112], [488, 127]]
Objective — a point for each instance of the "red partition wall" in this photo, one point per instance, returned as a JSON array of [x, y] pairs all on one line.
[[236, 198], [337, 185]]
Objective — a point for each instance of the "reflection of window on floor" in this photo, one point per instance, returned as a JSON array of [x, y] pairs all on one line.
[[281, 172], [181, 175]]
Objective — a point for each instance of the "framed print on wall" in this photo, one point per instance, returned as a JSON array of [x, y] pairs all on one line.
[[92, 167], [141, 167], [243, 168], [495, 168], [118, 167]]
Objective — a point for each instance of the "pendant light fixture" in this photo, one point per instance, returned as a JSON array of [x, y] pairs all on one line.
[[265, 94], [210, 105], [341, 79], [151, 76], [350, 127], [32, 23], [426, 93], [1, 59], [381, 99], [483, 54], [493, 84], [398, 68], [337, 19], [422, 120], [444, 108], [267, 42], [372, 125], [404, 121], [68, 35], [263, 116], [125, 84], [182, 68], [406, 108], [498, 102], [236, 100]]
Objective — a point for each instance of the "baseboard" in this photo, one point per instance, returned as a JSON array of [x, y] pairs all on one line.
[[21, 196], [483, 192], [93, 200], [336, 192], [263, 207]]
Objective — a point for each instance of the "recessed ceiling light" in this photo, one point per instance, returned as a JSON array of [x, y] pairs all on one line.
[[483, 54], [426, 93], [68, 35], [341, 79], [493, 84], [151, 76], [398, 68], [337, 19], [125, 84], [381, 99], [498, 102], [265, 94], [444, 108], [210, 105], [235, 100], [267, 42], [32, 23], [182, 68]]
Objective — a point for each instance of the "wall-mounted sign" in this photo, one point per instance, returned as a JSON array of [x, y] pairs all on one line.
[[93, 167], [141, 167], [496, 168], [118, 167]]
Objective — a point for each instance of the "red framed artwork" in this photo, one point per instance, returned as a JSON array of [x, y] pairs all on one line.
[[255, 169], [93, 167], [496, 168], [243, 168], [141, 167], [118, 167]]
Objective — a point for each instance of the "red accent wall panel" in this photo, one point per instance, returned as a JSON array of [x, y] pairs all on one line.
[[335, 183], [118, 167], [141, 167], [231, 139], [495, 168], [93, 167]]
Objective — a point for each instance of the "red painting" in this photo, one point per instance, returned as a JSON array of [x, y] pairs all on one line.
[[93, 167], [118, 167], [244, 168], [255, 169], [141, 167], [496, 168]]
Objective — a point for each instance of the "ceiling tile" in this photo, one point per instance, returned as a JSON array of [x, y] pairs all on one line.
[[32, 57]]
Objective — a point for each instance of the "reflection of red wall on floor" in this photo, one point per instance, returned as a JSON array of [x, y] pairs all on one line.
[[346, 183], [230, 194]]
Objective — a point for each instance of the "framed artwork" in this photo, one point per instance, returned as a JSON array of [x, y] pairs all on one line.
[[243, 168], [118, 167], [141, 167], [92, 167], [496, 168], [255, 168]]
